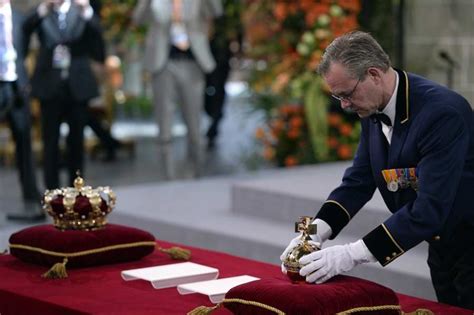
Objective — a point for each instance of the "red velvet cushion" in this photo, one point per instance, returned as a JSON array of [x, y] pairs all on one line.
[[46, 245], [340, 294]]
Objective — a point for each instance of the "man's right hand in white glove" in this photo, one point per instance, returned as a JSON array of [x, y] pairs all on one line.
[[324, 231]]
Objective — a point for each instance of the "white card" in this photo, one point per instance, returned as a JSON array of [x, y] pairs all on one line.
[[167, 276], [215, 289]]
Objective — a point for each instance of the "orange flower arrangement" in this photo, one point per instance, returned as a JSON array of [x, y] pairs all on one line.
[[286, 40], [285, 141], [343, 136]]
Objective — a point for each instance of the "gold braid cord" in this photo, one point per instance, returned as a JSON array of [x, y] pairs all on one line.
[[420, 311], [85, 252], [58, 270], [371, 309], [203, 310]]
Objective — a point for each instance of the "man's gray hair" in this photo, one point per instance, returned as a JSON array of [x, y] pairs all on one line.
[[357, 52]]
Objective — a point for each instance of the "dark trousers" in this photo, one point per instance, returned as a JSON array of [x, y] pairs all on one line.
[[104, 134], [54, 111], [215, 88], [17, 114], [452, 268]]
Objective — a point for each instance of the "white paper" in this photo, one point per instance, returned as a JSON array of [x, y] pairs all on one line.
[[215, 289], [167, 276]]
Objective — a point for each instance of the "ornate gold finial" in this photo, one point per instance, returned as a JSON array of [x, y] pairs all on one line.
[[79, 181], [291, 261], [80, 207]]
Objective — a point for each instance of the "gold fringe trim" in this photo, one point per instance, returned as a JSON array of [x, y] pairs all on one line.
[[176, 252], [58, 271], [204, 310], [371, 309], [85, 252]]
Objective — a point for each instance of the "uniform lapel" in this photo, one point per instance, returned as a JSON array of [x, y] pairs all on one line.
[[71, 19], [402, 119], [378, 149]]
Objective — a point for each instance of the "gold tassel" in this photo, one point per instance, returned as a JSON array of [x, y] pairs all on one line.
[[203, 310], [176, 252], [58, 271]]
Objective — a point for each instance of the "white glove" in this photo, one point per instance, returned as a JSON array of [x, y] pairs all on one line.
[[322, 234], [326, 263]]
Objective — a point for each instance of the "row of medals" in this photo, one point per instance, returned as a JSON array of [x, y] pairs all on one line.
[[401, 178]]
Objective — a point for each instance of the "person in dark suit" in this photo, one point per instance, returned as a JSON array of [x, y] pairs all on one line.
[[63, 80], [108, 142], [417, 149], [14, 107], [227, 33]]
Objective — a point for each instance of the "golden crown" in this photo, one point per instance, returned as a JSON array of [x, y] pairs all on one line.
[[80, 207]]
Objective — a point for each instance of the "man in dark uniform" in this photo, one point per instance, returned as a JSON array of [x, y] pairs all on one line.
[[417, 149], [14, 107], [63, 80]]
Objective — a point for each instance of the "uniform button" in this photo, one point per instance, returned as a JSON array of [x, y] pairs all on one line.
[[387, 258], [394, 254], [437, 238]]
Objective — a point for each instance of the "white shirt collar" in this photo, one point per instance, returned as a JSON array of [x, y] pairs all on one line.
[[391, 107], [64, 7]]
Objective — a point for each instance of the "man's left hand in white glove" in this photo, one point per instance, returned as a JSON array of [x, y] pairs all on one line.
[[324, 264]]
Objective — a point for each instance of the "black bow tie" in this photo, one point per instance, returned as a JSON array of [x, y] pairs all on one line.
[[382, 118]]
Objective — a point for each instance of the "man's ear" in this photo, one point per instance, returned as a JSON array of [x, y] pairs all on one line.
[[375, 74]]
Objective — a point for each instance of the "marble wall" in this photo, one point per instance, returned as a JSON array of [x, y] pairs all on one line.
[[436, 28]]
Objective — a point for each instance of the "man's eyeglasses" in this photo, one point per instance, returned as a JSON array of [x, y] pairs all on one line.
[[348, 96]]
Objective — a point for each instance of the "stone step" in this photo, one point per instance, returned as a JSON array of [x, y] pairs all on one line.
[[288, 194], [198, 213]]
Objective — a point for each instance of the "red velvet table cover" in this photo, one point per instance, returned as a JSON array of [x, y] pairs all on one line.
[[101, 290]]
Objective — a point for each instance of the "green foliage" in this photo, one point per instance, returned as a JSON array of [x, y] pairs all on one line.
[[116, 16]]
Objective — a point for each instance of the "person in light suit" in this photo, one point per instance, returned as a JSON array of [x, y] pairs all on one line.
[[417, 149], [69, 34], [177, 56], [15, 107]]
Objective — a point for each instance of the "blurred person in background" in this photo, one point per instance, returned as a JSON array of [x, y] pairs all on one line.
[[178, 56], [69, 35], [15, 109], [226, 41]]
